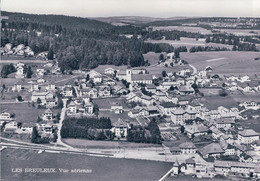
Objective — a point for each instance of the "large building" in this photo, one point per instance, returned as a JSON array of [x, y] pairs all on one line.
[[179, 116], [247, 136]]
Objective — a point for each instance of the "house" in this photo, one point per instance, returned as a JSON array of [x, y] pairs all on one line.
[[50, 102], [142, 78], [138, 112], [167, 107], [150, 88], [117, 108], [17, 87], [89, 92], [67, 91], [119, 90], [19, 72], [245, 78], [104, 91], [208, 69], [98, 79], [43, 96], [89, 107], [213, 149], [27, 128], [50, 87], [187, 148], [147, 100], [5, 116], [195, 130], [120, 128], [247, 136], [110, 71], [34, 87], [185, 90], [48, 115], [11, 127], [121, 75], [179, 116], [152, 110], [230, 150], [167, 85], [72, 108], [40, 72], [175, 168], [224, 123]]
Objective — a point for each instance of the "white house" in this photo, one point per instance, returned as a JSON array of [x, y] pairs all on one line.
[[247, 136]]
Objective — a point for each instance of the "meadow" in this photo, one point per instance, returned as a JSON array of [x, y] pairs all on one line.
[[183, 28], [225, 63], [189, 42], [102, 168], [24, 112]]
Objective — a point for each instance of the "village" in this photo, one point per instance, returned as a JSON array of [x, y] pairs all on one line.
[[212, 141]]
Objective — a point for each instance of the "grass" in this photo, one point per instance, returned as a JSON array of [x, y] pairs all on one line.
[[213, 102], [225, 63], [83, 143], [240, 32], [183, 28], [102, 168], [108, 102], [24, 112], [189, 42]]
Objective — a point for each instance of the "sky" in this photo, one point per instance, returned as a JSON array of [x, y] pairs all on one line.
[[150, 8]]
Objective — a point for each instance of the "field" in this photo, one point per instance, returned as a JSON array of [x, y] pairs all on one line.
[[102, 168], [24, 112], [81, 143], [228, 63], [240, 32], [183, 28], [189, 42]]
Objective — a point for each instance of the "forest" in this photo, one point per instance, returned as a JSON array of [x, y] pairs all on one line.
[[88, 128], [77, 42]]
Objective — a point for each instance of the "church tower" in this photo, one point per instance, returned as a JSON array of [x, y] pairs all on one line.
[[128, 75]]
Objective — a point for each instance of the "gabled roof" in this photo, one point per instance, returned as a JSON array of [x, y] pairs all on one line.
[[120, 123], [248, 132], [224, 121], [213, 148], [137, 77], [190, 161], [186, 145]]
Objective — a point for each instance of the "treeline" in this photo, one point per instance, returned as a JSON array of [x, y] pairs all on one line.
[[88, 128], [207, 49], [81, 47], [150, 134], [7, 69], [171, 35], [238, 42]]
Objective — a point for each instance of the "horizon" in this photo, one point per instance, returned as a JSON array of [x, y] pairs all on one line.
[[143, 8]]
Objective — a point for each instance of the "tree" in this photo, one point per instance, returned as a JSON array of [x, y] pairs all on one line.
[[39, 101], [182, 129], [207, 39], [19, 98], [177, 54], [50, 54], [234, 48], [29, 72], [164, 74], [223, 93], [161, 57]]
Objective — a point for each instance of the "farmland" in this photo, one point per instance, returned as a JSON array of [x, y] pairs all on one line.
[[240, 32], [102, 168], [183, 28], [189, 42], [227, 63]]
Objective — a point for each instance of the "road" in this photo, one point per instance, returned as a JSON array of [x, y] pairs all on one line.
[[195, 71], [62, 116]]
